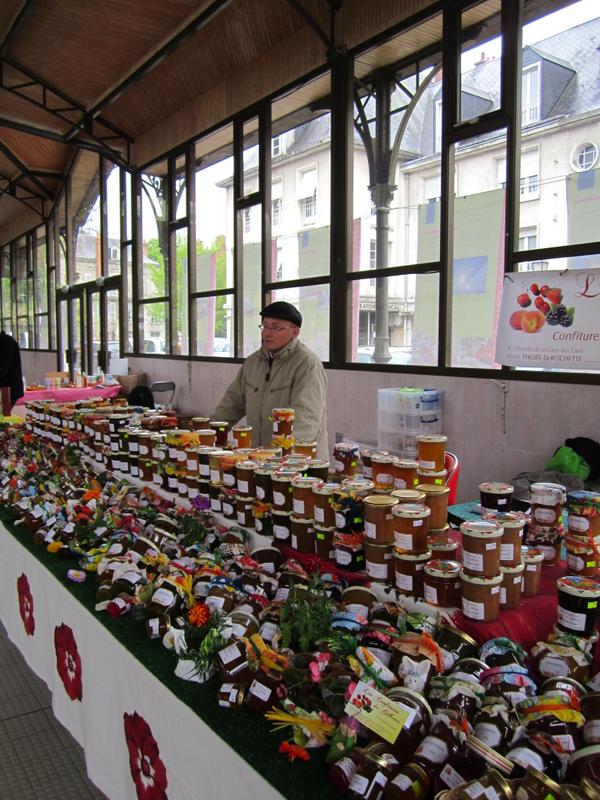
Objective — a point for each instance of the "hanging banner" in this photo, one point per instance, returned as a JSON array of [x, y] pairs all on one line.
[[550, 320]]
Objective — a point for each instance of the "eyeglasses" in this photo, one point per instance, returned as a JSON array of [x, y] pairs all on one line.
[[274, 328]]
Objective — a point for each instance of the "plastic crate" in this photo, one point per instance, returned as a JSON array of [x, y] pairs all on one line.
[[409, 399]]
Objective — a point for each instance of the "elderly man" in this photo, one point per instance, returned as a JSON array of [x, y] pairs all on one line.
[[10, 368], [283, 373]]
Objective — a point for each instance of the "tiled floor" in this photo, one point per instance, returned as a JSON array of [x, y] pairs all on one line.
[[39, 759]]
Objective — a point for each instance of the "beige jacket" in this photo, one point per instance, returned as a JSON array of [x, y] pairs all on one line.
[[295, 379]]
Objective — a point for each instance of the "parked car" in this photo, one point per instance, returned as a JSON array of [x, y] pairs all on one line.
[[399, 355], [154, 345]]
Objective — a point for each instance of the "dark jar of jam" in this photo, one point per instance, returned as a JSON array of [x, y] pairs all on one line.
[[342, 772], [410, 782], [372, 773], [417, 725]]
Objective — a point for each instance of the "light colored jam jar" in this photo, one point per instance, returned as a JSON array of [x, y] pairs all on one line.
[[532, 575], [441, 545], [583, 555], [306, 449], [323, 511], [302, 496], [413, 495], [584, 513], [441, 583], [480, 597], [382, 466], [436, 498], [409, 573], [431, 449], [411, 523], [547, 501], [242, 435], [437, 477], [511, 587], [495, 496], [405, 473], [512, 537], [481, 547], [378, 518]]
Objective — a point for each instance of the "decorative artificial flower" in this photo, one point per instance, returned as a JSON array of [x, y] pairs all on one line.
[[294, 751], [147, 770], [68, 662], [199, 615], [26, 604], [54, 547]]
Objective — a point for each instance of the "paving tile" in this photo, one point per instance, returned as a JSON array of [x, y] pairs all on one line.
[[25, 725]]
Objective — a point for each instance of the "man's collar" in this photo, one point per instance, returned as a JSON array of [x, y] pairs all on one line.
[[289, 348]]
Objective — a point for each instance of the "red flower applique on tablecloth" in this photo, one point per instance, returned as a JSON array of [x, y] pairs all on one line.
[[26, 604], [68, 662], [147, 770]]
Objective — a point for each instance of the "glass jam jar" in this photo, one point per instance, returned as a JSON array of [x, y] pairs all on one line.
[[207, 437], [345, 458], [583, 556], [532, 575], [436, 498], [405, 473], [349, 552], [441, 583], [537, 786], [411, 523], [242, 435], [417, 724], [547, 501], [379, 561], [480, 597], [324, 541], [245, 478], [372, 774], [323, 511], [481, 547], [378, 518], [577, 604], [512, 536], [382, 467], [409, 572], [302, 534], [410, 782], [495, 496], [282, 524], [431, 449], [303, 497], [264, 487], [442, 546], [510, 588], [221, 430], [317, 468], [584, 513], [281, 481]]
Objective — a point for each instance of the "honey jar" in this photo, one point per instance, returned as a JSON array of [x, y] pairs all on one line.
[[532, 575], [242, 435], [207, 437], [306, 449], [405, 473], [436, 498], [382, 466], [431, 449]]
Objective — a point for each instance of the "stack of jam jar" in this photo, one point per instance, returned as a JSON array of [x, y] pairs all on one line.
[[546, 530], [582, 540]]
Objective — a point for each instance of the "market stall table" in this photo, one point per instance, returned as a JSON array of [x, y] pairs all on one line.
[[69, 394]]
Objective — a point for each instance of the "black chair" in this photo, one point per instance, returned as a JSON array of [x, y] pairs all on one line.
[[163, 386]]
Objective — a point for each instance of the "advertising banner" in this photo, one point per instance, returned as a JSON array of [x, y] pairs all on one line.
[[550, 320]]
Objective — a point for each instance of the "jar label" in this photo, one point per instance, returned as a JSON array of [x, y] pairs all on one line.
[[531, 567], [402, 781], [238, 630], [258, 524], [571, 619], [260, 492], [164, 597], [281, 594], [131, 576], [473, 561], [227, 509], [342, 557], [377, 570], [192, 492], [565, 740], [502, 596], [591, 731], [526, 758], [491, 545], [157, 478], [340, 520], [154, 626], [544, 515], [473, 610], [347, 767], [553, 667], [433, 749], [338, 465], [370, 529], [181, 456], [359, 785], [399, 483], [173, 453], [578, 524], [477, 789], [358, 608], [294, 540], [451, 777], [298, 506], [214, 602], [488, 733], [241, 515], [430, 593], [228, 479], [404, 581], [242, 486], [280, 532], [215, 475], [215, 504], [204, 470], [319, 515], [278, 499], [426, 464], [260, 690], [173, 482], [268, 631], [143, 450], [403, 540], [191, 464], [384, 479], [507, 552], [229, 654], [574, 562], [368, 472]]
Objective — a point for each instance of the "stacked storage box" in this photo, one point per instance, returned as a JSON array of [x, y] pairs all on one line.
[[404, 413]]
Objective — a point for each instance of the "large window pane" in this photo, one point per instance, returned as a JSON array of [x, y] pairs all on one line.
[[250, 157], [84, 209], [180, 189], [154, 328], [214, 326], [560, 109], [113, 218], [155, 238], [179, 296], [313, 303], [480, 66], [113, 314], [251, 297], [40, 272], [478, 249]]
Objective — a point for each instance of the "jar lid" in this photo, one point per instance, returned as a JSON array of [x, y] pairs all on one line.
[[280, 512], [325, 488], [492, 580], [361, 590], [532, 555], [242, 428], [380, 500], [411, 511], [246, 616], [480, 530], [246, 465], [547, 782], [406, 463], [382, 458], [578, 585], [305, 482], [265, 469], [443, 569], [301, 520], [516, 570], [490, 755], [493, 487], [324, 528], [398, 692], [589, 789], [432, 488], [437, 475], [585, 752], [432, 438], [398, 553], [284, 477], [438, 538], [408, 495], [217, 423], [316, 463], [345, 447], [283, 412]]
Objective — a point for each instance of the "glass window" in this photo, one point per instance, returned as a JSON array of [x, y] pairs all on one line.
[[155, 234], [180, 189], [313, 304], [481, 65], [584, 156], [154, 328], [113, 218], [214, 326], [179, 296], [530, 95], [84, 210]]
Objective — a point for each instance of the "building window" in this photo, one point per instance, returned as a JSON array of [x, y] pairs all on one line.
[[528, 241], [276, 216], [530, 95], [309, 208], [584, 156], [276, 148], [373, 254], [530, 174], [247, 221]]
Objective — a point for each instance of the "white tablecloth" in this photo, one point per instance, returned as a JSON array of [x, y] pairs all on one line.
[[114, 683]]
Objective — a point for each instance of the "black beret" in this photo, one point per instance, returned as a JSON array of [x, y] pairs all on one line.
[[283, 310]]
